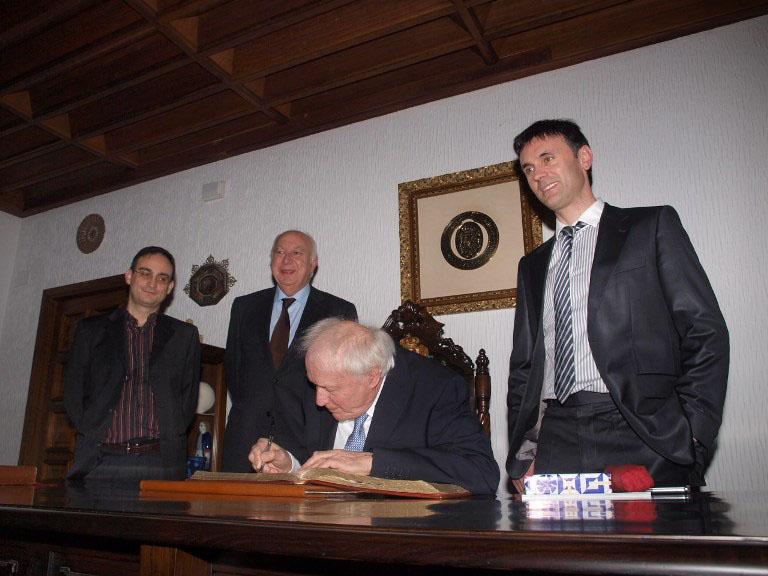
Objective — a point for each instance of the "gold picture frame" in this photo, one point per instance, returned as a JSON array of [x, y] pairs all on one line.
[[461, 237]]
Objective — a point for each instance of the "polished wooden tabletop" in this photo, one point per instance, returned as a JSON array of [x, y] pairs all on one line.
[[707, 532]]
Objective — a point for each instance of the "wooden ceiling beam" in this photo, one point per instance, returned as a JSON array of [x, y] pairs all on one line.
[[241, 21], [51, 146], [475, 29], [79, 185], [507, 18], [203, 137], [83, 99], [98, 31], [177, 38], [330, 32], [624, 27], [25, 18], [177, 122], [19, 183], [422, 42], [155, 96]]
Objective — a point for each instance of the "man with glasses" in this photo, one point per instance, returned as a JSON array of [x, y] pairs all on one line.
[[132, 381]]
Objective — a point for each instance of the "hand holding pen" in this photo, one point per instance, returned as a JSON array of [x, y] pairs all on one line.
[[266, 456]]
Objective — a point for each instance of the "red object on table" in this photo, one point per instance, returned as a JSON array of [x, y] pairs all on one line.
[[629, 478]]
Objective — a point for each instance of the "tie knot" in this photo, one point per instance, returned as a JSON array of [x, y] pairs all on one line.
[[569, 231], [360, 421], [287, 302]]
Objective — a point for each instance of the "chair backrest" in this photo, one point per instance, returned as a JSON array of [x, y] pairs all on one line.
[[416, 330]]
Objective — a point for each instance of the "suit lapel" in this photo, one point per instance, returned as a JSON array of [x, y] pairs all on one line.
[[538, 264], [614, 228], [163, 333], [115, 338], [397, 388], [262, 316]]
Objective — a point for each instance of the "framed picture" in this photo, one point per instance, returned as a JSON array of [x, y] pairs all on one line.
[[461, 237]]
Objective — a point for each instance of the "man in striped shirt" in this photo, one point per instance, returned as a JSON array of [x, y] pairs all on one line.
[[131, 381], [620, 352]]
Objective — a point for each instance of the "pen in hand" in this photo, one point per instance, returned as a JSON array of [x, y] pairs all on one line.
[[269, 440], [269, 445]]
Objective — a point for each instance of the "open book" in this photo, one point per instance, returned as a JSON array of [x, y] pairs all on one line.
[[316, 481]]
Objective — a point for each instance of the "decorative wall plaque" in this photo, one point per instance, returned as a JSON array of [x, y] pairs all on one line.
[[461, 237], [210, 282], [90, 233]]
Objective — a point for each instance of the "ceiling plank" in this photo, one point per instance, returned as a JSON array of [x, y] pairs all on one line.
[[22, 18], [26, 140], [204, 137], [182, 120], [239, 21], [154, 96], [44, 168], [623, 27], [124, 67], [74, 40], [378, 56], [319, 36], [78, 185]]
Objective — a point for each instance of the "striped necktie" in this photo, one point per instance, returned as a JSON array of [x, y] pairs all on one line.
[[565, 371]]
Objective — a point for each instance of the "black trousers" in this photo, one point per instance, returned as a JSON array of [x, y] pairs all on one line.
[[132, 468], [588, 433]]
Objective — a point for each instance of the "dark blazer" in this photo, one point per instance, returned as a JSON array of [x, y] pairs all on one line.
[[655, 329], [253, 383], [422, 428], [94, 379]]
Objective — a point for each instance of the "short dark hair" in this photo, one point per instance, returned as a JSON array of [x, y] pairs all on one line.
[[565, 128], [147, 250]]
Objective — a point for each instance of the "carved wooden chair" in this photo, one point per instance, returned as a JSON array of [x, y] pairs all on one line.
[[416, 330]]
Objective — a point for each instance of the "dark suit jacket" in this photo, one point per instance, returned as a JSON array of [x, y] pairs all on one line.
[[422, 428], [253, 383], [94, 379], [655, 329]]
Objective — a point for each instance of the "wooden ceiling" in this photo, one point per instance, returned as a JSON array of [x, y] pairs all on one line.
[[98, 95]]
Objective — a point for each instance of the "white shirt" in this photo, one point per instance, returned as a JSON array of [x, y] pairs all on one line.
[[583, 252], [344, 429]]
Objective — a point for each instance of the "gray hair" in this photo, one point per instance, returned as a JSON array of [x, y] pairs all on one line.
[[312, 243], [349, 347]]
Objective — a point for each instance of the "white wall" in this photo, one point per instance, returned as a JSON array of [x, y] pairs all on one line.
[[9, 239], [683, 123]]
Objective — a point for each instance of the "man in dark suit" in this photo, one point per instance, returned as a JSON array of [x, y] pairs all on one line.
[[620, 352], [266, 377], [382, 411], [132, 381]]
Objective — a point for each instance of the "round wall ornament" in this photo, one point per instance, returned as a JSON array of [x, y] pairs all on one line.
[[90, 233], [469, 240], [210, 282]]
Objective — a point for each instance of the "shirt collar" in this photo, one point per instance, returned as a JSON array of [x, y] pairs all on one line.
[[590, 216], [300, 296]]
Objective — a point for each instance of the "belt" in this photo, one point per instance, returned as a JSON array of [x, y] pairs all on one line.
[[133, 446], [582, 398]]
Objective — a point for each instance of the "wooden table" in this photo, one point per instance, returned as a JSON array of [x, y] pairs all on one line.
[[60, 530]]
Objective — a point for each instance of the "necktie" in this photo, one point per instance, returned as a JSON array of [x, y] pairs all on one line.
[[279, 342], [356, 440], [565, 371]]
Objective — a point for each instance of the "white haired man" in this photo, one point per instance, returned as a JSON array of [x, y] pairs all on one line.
[[382, 411]]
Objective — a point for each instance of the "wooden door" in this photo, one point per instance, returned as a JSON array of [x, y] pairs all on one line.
[[48, 439]]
